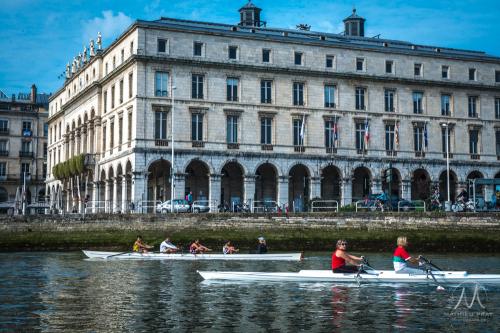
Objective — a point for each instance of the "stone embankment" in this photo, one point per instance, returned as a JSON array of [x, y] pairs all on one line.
[[367, 231]]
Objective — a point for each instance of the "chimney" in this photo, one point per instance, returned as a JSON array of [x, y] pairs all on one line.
[[33, 94], [354, 25]]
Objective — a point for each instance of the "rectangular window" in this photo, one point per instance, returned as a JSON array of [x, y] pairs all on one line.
[[3, 147], [473, 106], [104, 138], [198, 49], [360, 136], [329, 61], [111, 135], [329, 96], [233, 52], [4, 125], [197, 127], [389, 64], [389, 137], [360, 98], [298, 132], [26, 126], [130, 84], [120, 132], [45, 129], [472, 74], [44, 170], [162, 45], [266, 130], [298, 93], [330, 129], [265, 91], [445, 132], [26, 146], [360, 64], [3, 169], [121, 91], [161, 125], [497, 109], [232, 129], [161, 84], [266, 55], [129, 132], [122, 55], [497, 137], [417, 102], [131, 47], [445, 72], [45, 149], [25, 169], [474, 141], [298, 58], [417, 70], [418, 138], [105, 101], [445, 104], [197, 86], [112, 97], [497, 76], [389, 100], [232, 89]]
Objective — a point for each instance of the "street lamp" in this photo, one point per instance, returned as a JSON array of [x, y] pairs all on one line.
[[447, 205], [172, 166]]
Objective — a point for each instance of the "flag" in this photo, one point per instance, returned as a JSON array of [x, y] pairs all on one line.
[[396, 135], [426, 140], [302, 129], [367, 133], [335, 133]]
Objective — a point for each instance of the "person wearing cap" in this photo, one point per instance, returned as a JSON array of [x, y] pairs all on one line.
[[229, 248], [340, 259], [262, 246], [167, 247]]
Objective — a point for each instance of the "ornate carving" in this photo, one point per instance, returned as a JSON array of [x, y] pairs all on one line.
[[99, 41], [92, 48]]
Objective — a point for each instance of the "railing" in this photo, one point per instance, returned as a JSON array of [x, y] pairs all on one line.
[[299, 149], [204, 206], [4, 131], [233, 146], [25, 154], [367, 205], [331, 150], [264, 206], [416, 205], [324, 206], [4, 153], [266, 147], [145, 206]]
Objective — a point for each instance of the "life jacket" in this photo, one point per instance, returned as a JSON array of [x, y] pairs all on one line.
[[337, 261]]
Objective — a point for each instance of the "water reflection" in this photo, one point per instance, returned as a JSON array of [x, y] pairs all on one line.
[[54, 292]]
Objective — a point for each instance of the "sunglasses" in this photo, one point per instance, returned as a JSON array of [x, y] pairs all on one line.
[[343, 244]]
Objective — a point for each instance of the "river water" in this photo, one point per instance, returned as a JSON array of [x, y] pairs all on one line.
[[62, 292]]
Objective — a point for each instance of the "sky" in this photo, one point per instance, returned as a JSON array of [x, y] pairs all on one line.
[[40, 37]]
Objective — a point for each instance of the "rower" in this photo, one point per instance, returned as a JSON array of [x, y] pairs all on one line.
[[262, 246], [140, 246], [401, 258], [167, 247], [228, 248], [340, 257], [196, 247]]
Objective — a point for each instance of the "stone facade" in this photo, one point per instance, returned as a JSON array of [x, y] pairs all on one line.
[[233, 144]]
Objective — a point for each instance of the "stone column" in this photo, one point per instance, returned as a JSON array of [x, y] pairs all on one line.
[[78, 142], [406, 189], [248, 188], [95, 197], [125, 203], [72, 144], [283, 191], [138, 191], [84, 139], [315, 188], [107, 193], [215, 189], [346, 191], [114, 202], [90, 137], [179, 186], [376, 185], [97, 135]]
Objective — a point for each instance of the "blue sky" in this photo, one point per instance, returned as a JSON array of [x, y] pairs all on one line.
[[40, 37]]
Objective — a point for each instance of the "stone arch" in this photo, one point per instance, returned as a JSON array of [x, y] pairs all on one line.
[[266, 182], [443, 187], [361, 183], [475, 174], [232, 183], [331, 181], [299, 183], [420, 184], [208, 165], [391, 182], [302, 163], [197, 179], [244, 169], [159, 180], [276, 169]]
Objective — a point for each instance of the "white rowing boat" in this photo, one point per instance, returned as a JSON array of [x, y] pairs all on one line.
[[372, 277], [189, 256]]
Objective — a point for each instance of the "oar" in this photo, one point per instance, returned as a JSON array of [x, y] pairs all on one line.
[[428, 270], [114, 255], [425, 260]]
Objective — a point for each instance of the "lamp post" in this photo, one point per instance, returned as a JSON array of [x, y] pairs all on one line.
[[172, 166], [447, 134]]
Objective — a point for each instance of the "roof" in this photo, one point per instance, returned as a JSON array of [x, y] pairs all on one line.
[[250, 5], [354, 16], [328, 39]]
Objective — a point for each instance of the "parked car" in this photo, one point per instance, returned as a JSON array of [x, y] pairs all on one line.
[[180, 206], [201, 206]]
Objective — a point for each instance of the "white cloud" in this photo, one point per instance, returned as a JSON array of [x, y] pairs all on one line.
[[110, 26]]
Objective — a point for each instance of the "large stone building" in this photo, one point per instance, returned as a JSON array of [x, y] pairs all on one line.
[[269, 114], [23, 148]]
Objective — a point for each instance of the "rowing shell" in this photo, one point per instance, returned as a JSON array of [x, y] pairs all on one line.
[[375, 277], [189, 256]]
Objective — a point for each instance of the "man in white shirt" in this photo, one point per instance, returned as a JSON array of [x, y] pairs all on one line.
[[167, 247]]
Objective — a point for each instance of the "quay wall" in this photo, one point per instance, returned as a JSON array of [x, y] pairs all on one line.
[[306, 232]]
